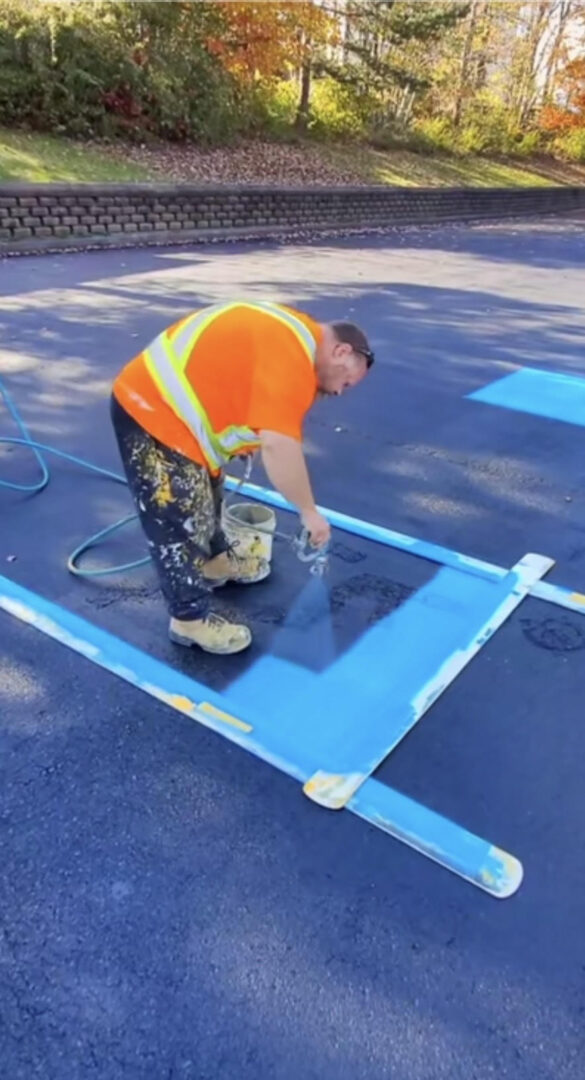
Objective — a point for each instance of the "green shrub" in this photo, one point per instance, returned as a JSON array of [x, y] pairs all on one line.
[[472, 139], [571, 146], [435, 133], [335, 111], [399, 137], [54, 75], [82, 69], [276, 107], [485, 134], [181, 102], [529, 144]]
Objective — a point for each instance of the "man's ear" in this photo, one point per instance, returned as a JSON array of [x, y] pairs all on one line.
[[345, 350]]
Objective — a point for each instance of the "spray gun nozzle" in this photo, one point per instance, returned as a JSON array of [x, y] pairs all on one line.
[[320, 564], [304, 550]]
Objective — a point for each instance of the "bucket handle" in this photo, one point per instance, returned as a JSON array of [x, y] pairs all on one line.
[[301, 543]]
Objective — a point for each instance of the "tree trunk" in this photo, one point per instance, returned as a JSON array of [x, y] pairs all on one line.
[[565, 13], [527, 84], [405, 106], [302, 117], [346, 33], [464, 70]]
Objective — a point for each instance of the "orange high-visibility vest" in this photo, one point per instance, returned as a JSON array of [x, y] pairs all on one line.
[[207, 385]]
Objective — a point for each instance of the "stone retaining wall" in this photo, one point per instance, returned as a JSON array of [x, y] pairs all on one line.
[[50, 217]]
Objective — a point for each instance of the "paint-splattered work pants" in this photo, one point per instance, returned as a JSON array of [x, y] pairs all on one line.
[[179, 506]]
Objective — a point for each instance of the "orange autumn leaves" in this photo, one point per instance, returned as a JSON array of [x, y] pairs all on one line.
[[265, 40], [570, 115]]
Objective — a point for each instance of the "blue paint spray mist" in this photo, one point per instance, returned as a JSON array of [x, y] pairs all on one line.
[[306, 634]]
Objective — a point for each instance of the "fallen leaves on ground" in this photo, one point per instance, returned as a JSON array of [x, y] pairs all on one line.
[[306, 164], [257, 162]]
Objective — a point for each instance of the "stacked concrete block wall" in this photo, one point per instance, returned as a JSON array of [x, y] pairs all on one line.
[[49, 217]]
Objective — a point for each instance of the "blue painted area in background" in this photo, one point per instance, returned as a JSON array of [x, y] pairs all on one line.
[[544, 393]]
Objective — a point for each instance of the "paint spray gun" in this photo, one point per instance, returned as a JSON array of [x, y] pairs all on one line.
[[304, 550]]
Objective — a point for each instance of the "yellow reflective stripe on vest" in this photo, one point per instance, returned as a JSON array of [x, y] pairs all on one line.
[[301, 332], [167, 361], [233, 438], [161, 365], [188, 335]]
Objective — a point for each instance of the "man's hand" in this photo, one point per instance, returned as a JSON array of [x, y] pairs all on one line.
[[317, 526], [284, 462]]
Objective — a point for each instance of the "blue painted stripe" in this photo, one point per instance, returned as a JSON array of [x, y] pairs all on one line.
[[456, 849], [401, 541], [351, 715], [344, 719], [146, 673], [553, 594], [423, 829], [542, 393]]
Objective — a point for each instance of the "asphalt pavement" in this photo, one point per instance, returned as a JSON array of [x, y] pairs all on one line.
[[172, 908]]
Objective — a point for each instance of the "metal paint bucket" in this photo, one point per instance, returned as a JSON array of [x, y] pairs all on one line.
[[251, 526]]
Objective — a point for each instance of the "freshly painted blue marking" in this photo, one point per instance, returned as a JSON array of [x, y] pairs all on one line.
[[438, 838], [151, 675], [553, 594], [352, 714], [543, 393], [303, 720], [345, 718], [401, 541], [424, 830]]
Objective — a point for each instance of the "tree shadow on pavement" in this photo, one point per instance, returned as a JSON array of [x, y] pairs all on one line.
[[173, 907]]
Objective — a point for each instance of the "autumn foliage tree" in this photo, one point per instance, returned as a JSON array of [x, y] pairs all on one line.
[[268, 39], [466, 76], [263, 41], [571, 84]]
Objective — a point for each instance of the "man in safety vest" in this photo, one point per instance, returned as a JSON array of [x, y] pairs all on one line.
[[225, 381]]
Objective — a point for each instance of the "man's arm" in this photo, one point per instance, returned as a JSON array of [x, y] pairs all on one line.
[[284, 461]]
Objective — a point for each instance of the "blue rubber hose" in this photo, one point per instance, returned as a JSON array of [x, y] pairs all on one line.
[[38, 449]]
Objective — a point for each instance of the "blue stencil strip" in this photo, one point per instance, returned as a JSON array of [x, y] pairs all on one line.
[[350, 715], [431, 834], [467, 564], [422, 829], [369, 531], [154, 677]]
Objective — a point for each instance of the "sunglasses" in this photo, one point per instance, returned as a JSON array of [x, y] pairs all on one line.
[[369, 355]]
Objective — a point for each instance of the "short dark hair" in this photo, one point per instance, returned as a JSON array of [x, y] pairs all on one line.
[[350, 334]]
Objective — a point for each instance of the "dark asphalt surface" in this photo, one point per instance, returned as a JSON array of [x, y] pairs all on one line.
[[173, 909]]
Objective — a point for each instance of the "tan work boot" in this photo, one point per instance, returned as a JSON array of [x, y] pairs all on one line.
[[213, 634], [243, 569]]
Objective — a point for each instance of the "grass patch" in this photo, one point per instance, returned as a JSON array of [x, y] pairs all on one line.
[[403, 168], [42, 158]]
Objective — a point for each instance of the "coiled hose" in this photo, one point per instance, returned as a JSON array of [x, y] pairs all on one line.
[[300, 543], [39, 449]]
